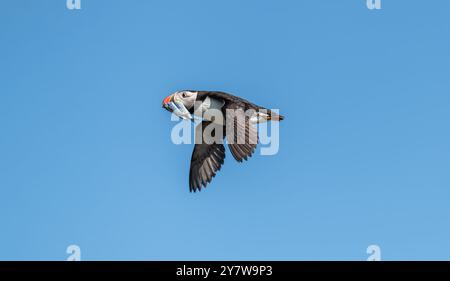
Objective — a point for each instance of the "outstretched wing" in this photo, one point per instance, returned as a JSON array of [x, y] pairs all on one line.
[[242, 135], [207, 158]]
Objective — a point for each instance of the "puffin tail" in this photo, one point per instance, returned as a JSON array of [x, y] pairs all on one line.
[[264, 115], [274, 117]]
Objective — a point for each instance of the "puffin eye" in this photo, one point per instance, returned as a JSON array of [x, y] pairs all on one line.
[[183, 95]]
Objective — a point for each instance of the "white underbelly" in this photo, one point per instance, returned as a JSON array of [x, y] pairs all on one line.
[[211, 107]]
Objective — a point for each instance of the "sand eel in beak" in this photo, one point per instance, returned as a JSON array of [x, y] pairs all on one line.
[[174, 103]]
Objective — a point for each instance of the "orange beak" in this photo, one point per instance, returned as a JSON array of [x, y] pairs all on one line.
[[165, 103]]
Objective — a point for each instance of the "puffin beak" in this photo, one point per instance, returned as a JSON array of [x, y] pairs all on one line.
[[166, 101], [176, 107]]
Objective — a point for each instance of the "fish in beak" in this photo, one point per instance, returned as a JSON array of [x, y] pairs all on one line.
[[176, 106]]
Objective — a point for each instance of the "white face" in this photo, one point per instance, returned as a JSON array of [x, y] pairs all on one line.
[[186, 97]]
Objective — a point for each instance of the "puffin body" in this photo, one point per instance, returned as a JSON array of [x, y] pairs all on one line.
[[238, 127]]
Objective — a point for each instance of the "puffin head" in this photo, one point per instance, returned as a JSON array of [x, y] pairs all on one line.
[[180, 103]]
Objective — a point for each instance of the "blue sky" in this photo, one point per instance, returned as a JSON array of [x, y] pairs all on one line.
[[85, 150]]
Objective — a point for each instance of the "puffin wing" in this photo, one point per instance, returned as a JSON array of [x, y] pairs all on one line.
[[207, 158], [228, 98], [231, 100], [242, 135]]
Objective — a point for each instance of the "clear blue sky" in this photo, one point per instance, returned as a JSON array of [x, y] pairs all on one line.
[[85, 150]]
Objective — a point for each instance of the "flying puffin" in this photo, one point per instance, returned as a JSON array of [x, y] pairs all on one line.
[[239, 128]]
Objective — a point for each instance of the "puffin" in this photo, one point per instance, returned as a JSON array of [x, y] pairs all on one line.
[[237, 126]]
